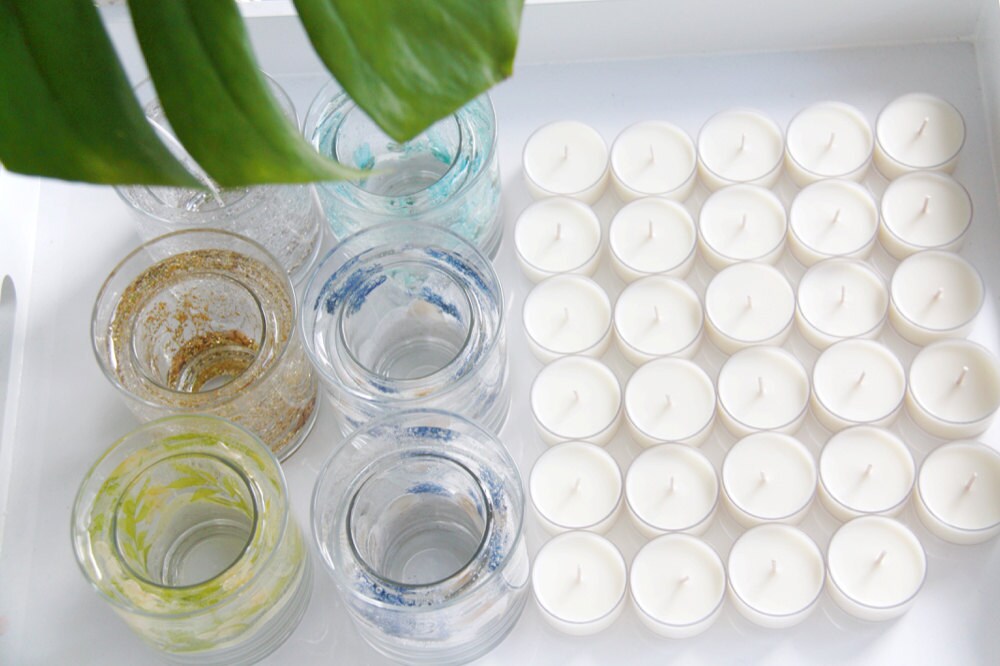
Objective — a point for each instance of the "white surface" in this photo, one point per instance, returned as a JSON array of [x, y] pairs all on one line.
[[576, 485], [66, 414]]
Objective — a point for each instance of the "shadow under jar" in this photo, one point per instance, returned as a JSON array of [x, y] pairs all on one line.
[[419, 517], [286, 219], [398, 317], [448, 176], [203, 321], [183, 527]]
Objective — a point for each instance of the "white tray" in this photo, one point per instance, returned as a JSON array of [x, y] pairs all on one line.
[[58, 241]]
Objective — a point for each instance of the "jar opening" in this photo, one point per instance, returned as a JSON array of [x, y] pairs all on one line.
[[184, 520], [419, 521]]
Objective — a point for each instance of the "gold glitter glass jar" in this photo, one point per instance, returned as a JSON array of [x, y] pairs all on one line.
[[203, 321]]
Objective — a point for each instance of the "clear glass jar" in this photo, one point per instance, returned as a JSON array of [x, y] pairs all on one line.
[[183, 526], [419, 517], [203, 321], [448, 176], [398, 317], [285, 219]]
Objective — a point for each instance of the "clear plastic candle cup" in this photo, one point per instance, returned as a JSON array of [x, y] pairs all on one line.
[[839, 299], [916, 132], [567, 314], [740, 146], [671, 488], [832, 218], [748, 304], [658, 316], [557, 235], [935, 295], [857, 382], [670, 400], [576, 486], [768, 478], [576, 397], [566, 158], [762, 388], [653, 158], [958, 492], [924, 210], [865, 470], [828, 140], [652, 236], [741, 223]]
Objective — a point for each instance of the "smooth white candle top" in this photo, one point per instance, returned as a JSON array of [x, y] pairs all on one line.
[[859, 380], [763, 387], [926, 209], [866, 469], [920, 131], [743, 222], [565, 157], [937, 290], [956, 381], [671, 487], [677, 580], [776, 569], [740, 145], [843, 298], [876, 562], [575, 485], [834, 217], [960, 485], [653, 157], [829, 139], [750, 302], [557, 235], [579, 577], [567, 314], [575, 397], [658, 316], [652, 235], [769, 476], [670, 399]]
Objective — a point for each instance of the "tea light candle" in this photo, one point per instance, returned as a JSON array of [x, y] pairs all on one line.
[[678, 584], [775, 575], [935, 295], [838, 299], [857, 382], [876, 567], [651, 237], [832, 218], [828, 140], [568, 158], [768, 477], [763, 388], [576, 397], [925, 210], [918, 131], [579, 581], [953, 389], [557, 235], [653, 158], [958, 492], [657, 316], [669, 400], [671, 488], [739, 146], [567, 314], [741, 223], [748, 304], [865, 470], [576, 486]]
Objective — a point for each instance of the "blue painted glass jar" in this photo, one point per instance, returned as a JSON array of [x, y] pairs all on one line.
[[402, 317], [448, 176], [419, 518]]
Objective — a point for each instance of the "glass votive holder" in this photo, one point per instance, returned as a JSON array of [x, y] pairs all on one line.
[[557, 235], [565, 315], [653, 158], [658, 316], [776, 575], [865, 471], [671, 488], [401, 317], [203, 321], [762, 388], [924, 210], [838, 299], [828, 140], [286, 219], [958, 492], [857, 382], [832, 218], [918, 131], [576, 486], [740, 146], [576, 397], [447, 176], [566, 158], [419, 519], [580, 580], [876, 567], [183, 526], [748, 304], [677, 585], [768, 478], [935, 295], [652, 236], [670, 400]]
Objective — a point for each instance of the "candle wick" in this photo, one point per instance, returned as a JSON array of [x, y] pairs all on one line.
[[652, 155], [685, 578], [576, 396], [881, 556], [926, 206], [774, 567], [743, 142], [670, 486], [749, 302], [656, 314], [868, 470], [763, 477], [565, 313], [861, 378], [923, 126], [843, 294], [565, 152], [961, 377], [833, 137], [836, 216], [559, 231], [579, 574], [972, 480], [650, 236], [760, 385], [669, 403], [576, 486], [743, 222], [938, 294]]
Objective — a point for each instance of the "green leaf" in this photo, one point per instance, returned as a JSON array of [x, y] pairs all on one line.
[[217, 100], [66, 108], [409, 63]]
